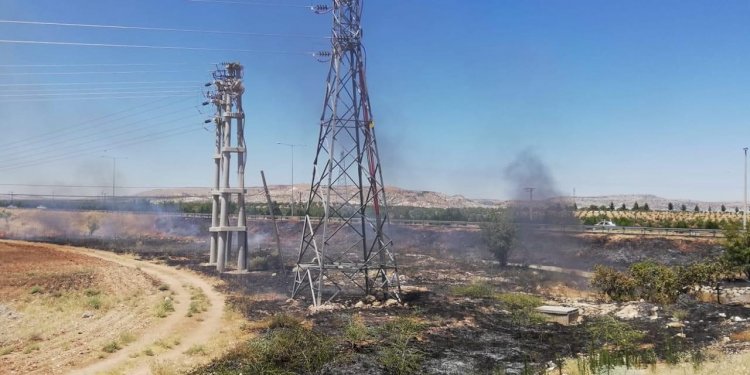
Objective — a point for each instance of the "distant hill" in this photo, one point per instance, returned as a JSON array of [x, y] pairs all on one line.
[[430, 199], [282, 193]]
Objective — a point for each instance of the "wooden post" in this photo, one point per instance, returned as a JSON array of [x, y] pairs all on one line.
[[275, 226]]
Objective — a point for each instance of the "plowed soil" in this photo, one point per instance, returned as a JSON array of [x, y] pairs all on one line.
[[72, 310]]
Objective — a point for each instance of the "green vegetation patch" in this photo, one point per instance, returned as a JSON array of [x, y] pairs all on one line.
[[287, 347], [164, 308], [474, 290]]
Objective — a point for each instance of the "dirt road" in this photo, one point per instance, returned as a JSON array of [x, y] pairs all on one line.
[[176, 340]]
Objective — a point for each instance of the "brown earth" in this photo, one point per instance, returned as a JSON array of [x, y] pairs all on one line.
[[84, 311]]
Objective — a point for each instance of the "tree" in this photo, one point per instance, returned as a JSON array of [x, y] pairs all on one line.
[[5, 215], [636, 207], [611, 206], [697, 209], [623, 208], [92, 224], [723, 208], [617, 285], [683, 208], [499, 234], [737, 248], [646, 207], [670, 206]]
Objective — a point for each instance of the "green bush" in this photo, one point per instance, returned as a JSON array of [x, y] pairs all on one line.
[[164, 308], [616, 285], [522, 307], [111, 347], [94, 302], [737, 245], [474, 290], [655, 282], [400, 358], [283, 350]]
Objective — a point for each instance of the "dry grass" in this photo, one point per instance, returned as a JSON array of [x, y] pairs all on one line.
[[742, 336], [198, 302]]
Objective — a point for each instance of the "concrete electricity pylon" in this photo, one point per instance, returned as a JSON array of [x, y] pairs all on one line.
[[227, 96], [348, 245]]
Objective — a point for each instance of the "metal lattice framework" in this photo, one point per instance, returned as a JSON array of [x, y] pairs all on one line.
[[227, 97], [348, 246]]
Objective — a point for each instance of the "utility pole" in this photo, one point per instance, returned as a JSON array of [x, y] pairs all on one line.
[[227, 97], [275, 225], [114, 172], [348, 246], [292, 146], [744, 211], [531, 201]]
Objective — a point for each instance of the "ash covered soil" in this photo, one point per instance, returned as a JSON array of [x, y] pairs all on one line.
[[452, 331]]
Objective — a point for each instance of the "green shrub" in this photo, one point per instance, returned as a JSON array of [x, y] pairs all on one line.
[[616, 285], [475, 290], [655, 282], [111, 347], [282, 320], [36, 289], [94, 302], [400, 358], [522, 307], [356, 331], [164, 308], [613, 343]]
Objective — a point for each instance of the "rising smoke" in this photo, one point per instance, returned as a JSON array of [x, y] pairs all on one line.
[[528, 171], [546, 206]]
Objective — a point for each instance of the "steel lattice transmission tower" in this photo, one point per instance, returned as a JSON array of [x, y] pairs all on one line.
[[227, 97], [348, 245]]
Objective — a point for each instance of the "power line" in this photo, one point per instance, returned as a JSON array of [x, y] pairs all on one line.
[[79, 65], [97, 98], [144, 46], [94, 72], [127, 130], [15, 95], [143, 139], [169, 29], [95, 83], [105, 186], [254, 3], [113, 90], [86, 122]]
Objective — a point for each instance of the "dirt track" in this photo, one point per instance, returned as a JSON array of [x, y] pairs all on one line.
[[177, 329]]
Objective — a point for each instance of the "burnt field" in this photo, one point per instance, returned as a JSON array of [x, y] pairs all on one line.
[[461, 312]]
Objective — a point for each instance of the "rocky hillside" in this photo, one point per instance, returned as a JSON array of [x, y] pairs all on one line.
[[282, 193], [431, 199]]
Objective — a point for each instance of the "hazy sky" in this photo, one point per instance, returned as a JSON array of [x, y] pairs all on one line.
[[614, 96]]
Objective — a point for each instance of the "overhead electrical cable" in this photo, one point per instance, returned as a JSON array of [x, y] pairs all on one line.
[[96, 83], [169, 29], [95, 72], [111, 132], [254, 3], [144, 46], [126, 142], [165, 96], [142, 108]]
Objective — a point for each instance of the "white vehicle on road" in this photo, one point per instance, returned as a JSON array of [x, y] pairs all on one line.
[[605, 223]]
